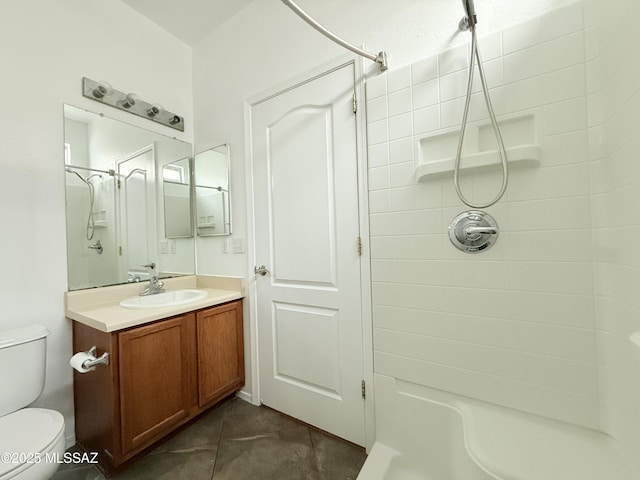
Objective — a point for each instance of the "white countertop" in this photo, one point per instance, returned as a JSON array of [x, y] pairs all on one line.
[[100, 308]]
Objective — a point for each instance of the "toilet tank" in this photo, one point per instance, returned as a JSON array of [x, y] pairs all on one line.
[[22, 366]]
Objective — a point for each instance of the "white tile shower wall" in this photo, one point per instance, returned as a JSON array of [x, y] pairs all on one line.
[[614, 99], [513, 325]]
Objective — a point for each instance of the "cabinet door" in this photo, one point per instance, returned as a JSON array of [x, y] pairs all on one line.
[[154, 379], [220, 352]]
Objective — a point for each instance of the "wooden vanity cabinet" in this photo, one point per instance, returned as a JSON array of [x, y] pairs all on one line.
[[155, 365], [160, 375], [220, 352]]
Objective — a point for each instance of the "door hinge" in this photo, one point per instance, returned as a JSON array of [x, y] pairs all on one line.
[[359, 246], [119, 183], [355, 103], [363, 389], [120, 250]]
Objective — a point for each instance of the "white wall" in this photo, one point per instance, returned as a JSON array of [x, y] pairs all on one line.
[[46, 47], [614, 100]]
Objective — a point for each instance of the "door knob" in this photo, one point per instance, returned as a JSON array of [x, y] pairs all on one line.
[[261, 270]]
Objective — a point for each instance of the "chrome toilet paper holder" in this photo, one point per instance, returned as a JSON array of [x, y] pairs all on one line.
[[102, 360]]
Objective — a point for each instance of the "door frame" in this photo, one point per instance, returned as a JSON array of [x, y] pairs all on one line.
[[121, 230], [363, 224]]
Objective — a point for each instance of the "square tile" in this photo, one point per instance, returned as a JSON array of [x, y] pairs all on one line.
[[399, 102], [377, 109], [424, 70], [400, 126], [376, 86], [399, 79], [426, 94]]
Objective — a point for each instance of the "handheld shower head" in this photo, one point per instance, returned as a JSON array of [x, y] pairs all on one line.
[[470, 9], [469, 20]]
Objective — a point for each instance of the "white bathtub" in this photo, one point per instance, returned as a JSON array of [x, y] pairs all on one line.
[[427, 434]]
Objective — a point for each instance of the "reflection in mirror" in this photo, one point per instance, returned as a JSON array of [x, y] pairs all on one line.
[[176, 189], [213, 212], [115, 220]]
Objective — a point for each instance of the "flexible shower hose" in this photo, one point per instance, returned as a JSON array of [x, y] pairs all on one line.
[[475, 55]]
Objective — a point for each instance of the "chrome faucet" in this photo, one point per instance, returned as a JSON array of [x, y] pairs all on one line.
[[155, 286]]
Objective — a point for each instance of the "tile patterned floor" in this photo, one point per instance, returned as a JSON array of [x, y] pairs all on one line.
[[239, 441]]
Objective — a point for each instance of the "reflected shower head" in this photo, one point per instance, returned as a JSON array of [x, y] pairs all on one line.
[[470, 19]]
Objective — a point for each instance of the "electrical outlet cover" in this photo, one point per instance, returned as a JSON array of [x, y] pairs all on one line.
[[238, 245]]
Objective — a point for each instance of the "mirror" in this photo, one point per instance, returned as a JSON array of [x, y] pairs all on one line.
[[213, 212], [116, 228], [176, 189]]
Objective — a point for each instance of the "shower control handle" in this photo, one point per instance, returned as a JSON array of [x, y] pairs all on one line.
[[97, 247], [475, 229]]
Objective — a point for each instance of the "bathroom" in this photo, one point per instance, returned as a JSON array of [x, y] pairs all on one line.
[[540, 323]]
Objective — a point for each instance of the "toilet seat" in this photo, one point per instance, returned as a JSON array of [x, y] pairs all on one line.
[[31, 431]]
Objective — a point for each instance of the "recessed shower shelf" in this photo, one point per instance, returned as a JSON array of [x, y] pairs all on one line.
[[100, 219], [523, 155], [520, 133]]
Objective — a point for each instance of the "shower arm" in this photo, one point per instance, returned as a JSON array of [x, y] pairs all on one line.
[[380, 58]]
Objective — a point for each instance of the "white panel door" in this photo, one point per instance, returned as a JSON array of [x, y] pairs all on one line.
[[306, 230]]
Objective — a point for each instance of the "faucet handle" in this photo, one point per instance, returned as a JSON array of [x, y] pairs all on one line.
[[150, 265]]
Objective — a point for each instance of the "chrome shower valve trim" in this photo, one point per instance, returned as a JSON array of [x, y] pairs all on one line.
[[473, 231]]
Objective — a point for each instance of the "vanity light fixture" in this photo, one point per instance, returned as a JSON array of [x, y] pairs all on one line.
[[129, 102]]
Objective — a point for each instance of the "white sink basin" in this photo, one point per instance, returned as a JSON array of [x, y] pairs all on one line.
[[167, 299]]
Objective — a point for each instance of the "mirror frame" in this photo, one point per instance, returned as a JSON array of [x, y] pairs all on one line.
[[201, 231], [191, 190]]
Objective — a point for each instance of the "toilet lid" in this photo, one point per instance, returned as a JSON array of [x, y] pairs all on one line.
[[30, 430]]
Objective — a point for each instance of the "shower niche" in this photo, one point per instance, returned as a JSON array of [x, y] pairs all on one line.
[[436, 152]]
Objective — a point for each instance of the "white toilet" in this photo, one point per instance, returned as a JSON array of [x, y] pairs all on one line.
[[31, 439]]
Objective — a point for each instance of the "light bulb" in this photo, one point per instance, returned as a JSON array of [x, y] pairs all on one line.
[[130, 100], [102, 90]]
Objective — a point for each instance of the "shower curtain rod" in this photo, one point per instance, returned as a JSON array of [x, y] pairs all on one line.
[[380, 58], [108, 172]]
